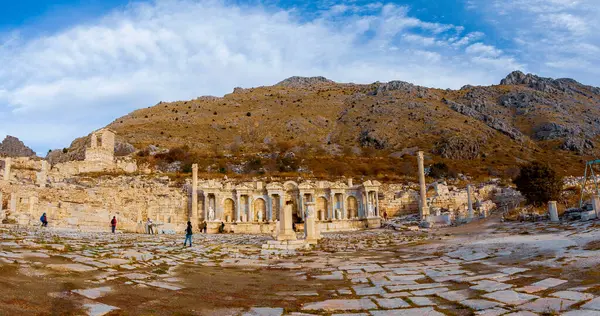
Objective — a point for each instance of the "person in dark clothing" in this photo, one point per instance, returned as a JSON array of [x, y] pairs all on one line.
[[44, 220], [222, 228], [188, 234], [113, 224], [384, 215], [203, 227]]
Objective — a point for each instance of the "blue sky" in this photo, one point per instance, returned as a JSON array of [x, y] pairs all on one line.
[[69, 67]]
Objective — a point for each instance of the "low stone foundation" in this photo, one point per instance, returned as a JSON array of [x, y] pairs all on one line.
[[269, 228]]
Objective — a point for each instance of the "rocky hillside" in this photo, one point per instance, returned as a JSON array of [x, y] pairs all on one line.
[[477, 130], [13, 147]]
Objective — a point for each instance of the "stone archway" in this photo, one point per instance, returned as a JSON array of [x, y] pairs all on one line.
[[260, 207], [228, 210], [321, 208], [352, 207]]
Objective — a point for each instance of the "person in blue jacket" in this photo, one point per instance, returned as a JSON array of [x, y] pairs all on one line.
[[188, 234], [44, 220]]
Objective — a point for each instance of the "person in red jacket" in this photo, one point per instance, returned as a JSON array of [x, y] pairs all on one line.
[[113, 224]]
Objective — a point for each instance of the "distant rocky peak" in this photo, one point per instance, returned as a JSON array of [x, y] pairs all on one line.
[[297, 81], [566, 85], [13, 147]]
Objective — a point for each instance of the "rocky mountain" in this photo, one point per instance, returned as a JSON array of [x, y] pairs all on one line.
[[13, 147], [476, 129]]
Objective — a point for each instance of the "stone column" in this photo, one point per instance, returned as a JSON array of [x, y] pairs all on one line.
[[32, 204], [205, 206], [286, 231], [43, 175], [280, 206], [470, 202], [238, 208], [301, 204], [194, 217], [311, 232], [13, 203], [376, 196], [2, 213], [250, 209], [331, 212], [344, 210], [595, 204], [7, 165], [423, 207], [269, 208], [552, 209]]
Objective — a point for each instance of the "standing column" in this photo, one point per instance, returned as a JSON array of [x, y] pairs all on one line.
[[424, 209], [470, 201], [553, 210], [595, 204], [269, 208], [205, 206], [301, 205], [238, 208], [331, 212], [13, 203], [250, 209], [376, 197], [280, 206], [1, 201], [7, 163], [344, 211], [194, 217], [43, 175]]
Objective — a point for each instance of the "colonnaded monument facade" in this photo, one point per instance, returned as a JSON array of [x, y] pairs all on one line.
[[87, 194]]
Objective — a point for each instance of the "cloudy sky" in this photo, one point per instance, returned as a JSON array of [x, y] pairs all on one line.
[[68, 67]]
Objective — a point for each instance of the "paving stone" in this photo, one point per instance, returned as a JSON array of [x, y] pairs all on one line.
[[573, 296], [479, 304], [398, 288], [396, 294], [98, 309], [492, 311], [264, 311], [430, 291], [391, 303], [550, 282], [342, 305], [513, 270], [71, 267], [521, 313], [582, 312], [422, 301], [371, 290], [164, 286], [593, 304], [336, 275], [425, 311], [490, 286], [456, 296], [549, 305], [95, 292], [510, 297]]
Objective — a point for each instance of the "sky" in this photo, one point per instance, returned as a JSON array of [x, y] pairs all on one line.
[[68, 67]]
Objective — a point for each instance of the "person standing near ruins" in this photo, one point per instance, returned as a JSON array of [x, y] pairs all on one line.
[[149, 225], [188, 234], [222, 228], [203, 227], [44, 220], [384, 215], [113, 224]]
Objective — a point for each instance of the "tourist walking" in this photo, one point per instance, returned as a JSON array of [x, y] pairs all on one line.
[[188, 234], [149, 225], [384, 215], [44, 220], [204, 226], [113, 224], [222, 228]]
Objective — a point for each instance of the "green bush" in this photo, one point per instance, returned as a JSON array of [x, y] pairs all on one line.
[[538, 183]]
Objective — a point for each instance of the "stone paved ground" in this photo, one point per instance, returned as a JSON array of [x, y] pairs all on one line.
[[486, 268]]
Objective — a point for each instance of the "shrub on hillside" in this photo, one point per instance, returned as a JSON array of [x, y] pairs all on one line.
[[538, 183]]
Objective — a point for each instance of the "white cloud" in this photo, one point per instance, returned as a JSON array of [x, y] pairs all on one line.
[[60, 86], [556, 38]]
